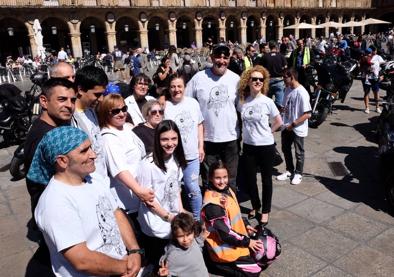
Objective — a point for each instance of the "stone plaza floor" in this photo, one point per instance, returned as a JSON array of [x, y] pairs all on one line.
[[332, 224]]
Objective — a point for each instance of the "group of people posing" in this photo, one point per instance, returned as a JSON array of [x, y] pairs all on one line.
[[106, 171]]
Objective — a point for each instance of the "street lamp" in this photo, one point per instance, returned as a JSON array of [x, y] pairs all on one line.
[[271, 23], [287, 22], [231, 24], [157, 26], [126, 28], [92, 29], [10, 31], [252, 23], [184, 25], [54, 30], [209, 25]]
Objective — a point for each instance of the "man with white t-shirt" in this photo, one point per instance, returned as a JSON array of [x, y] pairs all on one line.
[[296, 112], [85, 231], [215, 89], [91, 82]]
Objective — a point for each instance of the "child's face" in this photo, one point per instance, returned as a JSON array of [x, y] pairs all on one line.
[[184, 239], [220, 178]]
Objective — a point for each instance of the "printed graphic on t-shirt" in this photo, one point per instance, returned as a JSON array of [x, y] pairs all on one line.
[[218, 97], [170, 196], [251, 117], [185, 123], [108, 227]]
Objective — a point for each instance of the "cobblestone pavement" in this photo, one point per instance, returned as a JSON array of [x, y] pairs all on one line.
[[328, 225]]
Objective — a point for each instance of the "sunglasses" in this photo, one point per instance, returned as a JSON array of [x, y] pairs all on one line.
[[155, 112], [98, 94], [117, 111], [255, 79]]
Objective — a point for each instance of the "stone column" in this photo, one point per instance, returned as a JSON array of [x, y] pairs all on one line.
[[297, 30], [242, 28], [263, 27], [75, 36], [340, 18], [143, 30], [313, 31], [172, 32], [280, 28], [30, 34], [110, 31], [198, 28], [327, 29], [363, 27], [352, 28], [222, 28]]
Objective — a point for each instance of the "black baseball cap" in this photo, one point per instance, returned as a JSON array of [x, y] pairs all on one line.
[[220, 49]]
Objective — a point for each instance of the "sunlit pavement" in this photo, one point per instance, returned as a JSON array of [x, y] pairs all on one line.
[[329, 225]]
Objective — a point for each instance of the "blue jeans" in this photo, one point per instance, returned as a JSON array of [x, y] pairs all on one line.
[[190, 177], [277, 88]]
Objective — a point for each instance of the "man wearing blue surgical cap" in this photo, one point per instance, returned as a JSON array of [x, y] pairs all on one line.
[[86, 234]]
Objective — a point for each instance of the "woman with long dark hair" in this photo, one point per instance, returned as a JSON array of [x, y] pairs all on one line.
[[161, 171]]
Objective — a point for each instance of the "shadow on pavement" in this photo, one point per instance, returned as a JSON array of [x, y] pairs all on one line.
[[38, 264], [362, 184]]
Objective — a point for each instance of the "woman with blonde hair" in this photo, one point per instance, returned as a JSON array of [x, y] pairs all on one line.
[[257, 112]]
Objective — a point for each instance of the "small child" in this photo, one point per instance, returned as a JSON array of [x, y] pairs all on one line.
[[183, 256]]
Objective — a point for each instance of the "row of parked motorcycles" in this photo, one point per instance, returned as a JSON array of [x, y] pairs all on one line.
[[17, 112], [330, 79]]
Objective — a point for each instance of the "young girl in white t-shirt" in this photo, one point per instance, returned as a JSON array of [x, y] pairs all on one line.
[[162, 172]]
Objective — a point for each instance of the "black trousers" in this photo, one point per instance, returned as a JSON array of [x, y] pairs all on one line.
[[228, 152], [263, 157], [288, 139]]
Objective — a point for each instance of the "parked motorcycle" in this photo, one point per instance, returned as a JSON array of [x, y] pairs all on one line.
[[31, 110], [385, 133]]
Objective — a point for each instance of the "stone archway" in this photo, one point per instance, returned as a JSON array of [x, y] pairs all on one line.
[[232, 29], [56, 35], [14, 37], [210, 29], [252, 29], [93, 36], [127, 33], [304, 33], [271, 28], [288, 20], [331, 29], [320, 19], [346, 30], [184, 31], [158, 33], [357, 30]]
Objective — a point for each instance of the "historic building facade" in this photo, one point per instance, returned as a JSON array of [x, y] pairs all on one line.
[[98, 25]]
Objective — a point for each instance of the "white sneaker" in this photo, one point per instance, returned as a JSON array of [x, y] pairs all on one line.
[[284, 176], [378, 110], [296, 179], [366, 110]]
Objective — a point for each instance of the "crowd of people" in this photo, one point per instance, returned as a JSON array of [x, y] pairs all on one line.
[[114, 171]]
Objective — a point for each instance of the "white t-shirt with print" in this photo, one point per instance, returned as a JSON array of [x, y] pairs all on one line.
[[69, 215], [376, 61], [296, 103], [87, 121], [167, 187], [216, 96], [124, 150], [256, 114], [187, 116]]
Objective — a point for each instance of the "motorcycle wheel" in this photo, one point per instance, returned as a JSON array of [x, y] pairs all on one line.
[[318, 116], [17, 168], [389, 191]]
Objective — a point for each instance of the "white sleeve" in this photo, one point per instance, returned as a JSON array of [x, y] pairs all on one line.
[[198, 109], [306, 106], [144, 174], [190, 88], [63, 226], [273, 109], [115, 155]]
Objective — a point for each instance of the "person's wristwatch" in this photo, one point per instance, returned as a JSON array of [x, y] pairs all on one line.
[[293, 124], [140, 251], [167, 217]]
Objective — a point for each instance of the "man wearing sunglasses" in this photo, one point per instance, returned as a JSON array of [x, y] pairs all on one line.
[[215, 89], [91, 83]]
